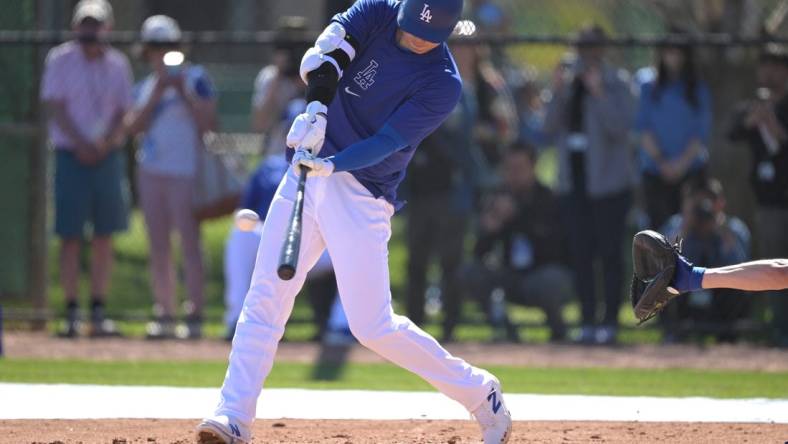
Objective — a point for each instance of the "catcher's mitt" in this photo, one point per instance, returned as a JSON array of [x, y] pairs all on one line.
[[654, 264]]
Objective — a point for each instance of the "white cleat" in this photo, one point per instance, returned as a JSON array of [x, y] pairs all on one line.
[[222, 430], [493, 417]]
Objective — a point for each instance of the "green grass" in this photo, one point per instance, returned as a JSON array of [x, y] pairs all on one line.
[[613, 382]]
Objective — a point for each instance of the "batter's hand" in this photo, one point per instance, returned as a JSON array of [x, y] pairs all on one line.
[[317, 166], [309, 128]]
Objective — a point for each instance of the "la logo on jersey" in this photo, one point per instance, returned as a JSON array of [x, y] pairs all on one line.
[[426, 14], [366, 77]]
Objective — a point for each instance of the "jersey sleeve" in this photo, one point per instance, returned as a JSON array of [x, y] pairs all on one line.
[[52, 83], [202, 84], [365, 18], [423, 112]]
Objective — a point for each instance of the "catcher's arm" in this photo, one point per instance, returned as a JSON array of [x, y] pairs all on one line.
[[763, 275]]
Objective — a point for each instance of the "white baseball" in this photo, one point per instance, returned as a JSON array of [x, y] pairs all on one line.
[[246, 219]]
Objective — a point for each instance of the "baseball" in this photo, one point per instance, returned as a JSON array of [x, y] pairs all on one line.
[[246, 219]]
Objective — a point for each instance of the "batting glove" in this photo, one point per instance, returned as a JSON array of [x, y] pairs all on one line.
[[309, 128], [317, 166]]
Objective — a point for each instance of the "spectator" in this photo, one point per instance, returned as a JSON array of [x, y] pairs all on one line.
[[715, 239], [490, 17], [278, 84], [674, 122], [590, 116], [496, 125], [520, 219], [86, 89], [441, 185], [531, 112], [763, 124], [175, 106]]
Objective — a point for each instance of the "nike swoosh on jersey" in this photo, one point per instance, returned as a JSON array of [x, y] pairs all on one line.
[[347, 90]]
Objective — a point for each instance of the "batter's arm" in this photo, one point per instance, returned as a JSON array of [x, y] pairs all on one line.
[[323, 64], [321, 69], [369, 151], [762, 275]]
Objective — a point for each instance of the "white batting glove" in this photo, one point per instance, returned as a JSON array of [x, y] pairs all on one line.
[[317, 166], [309, 128]]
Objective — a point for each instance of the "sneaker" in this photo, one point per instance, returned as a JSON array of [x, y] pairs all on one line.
[[71, 324], [103, 328], [222, 430], [587, 335], [162, 328], [191, 329], [70, 329], [606, 335], [493, 417], [100, 325]]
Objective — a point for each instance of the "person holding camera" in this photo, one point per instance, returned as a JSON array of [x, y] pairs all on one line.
[[762, 123], [519, 252], [590, 117], [715, 239], [279, 83], [175, 105]]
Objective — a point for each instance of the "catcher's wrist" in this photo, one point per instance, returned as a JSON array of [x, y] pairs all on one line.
[[688, 278], [697, 278]]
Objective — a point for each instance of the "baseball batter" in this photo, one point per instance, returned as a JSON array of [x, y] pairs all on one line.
[[380, 78]]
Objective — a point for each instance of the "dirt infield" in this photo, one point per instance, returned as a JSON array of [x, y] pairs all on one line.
[[731, 357], [389, 432]]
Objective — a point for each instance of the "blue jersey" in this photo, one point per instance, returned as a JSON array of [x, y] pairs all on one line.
[[387, 84]]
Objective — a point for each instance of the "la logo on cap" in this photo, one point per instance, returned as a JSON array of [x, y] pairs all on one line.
[[426, 15]]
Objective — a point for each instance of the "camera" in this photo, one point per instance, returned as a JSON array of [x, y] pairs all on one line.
[[173, 60]]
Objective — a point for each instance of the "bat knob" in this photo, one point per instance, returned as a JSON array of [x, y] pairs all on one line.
[[285, 272]]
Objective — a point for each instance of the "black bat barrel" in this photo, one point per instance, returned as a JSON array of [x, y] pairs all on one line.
[[288, 259]]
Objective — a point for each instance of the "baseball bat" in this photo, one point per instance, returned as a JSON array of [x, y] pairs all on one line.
[[288, 259]]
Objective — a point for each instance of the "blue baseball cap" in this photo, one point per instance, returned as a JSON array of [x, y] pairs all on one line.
[[431, 20]]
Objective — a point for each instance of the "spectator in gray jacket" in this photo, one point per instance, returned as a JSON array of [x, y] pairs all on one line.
[[590, 117]]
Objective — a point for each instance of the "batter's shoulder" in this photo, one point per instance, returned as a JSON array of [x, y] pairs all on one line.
[[384, 5], [366, 18], [446, 73]]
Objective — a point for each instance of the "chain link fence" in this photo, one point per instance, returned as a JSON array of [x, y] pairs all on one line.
[[526, 40]]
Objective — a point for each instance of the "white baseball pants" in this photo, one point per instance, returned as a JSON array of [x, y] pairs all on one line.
[[240, 251], [342, 216]]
